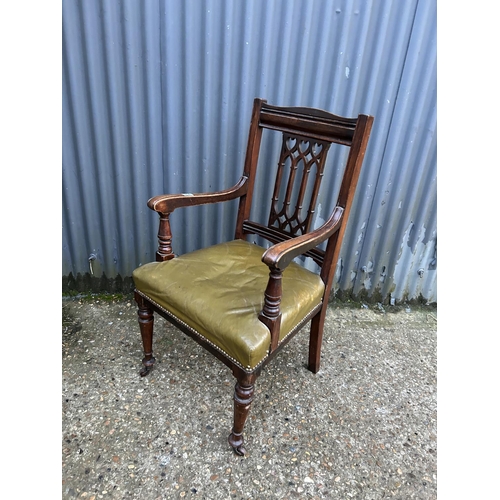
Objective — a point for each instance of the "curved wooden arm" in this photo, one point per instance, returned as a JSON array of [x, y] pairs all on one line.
[[280, 255], [167, 203]]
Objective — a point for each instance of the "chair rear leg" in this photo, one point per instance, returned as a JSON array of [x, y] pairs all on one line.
[[243, 397], [146, 323], [315, 340]]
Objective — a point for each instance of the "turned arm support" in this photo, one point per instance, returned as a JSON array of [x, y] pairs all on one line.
[[167, 203], [271, 314], [277, 258]]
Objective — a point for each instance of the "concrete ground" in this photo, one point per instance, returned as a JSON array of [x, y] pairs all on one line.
[[364, 427]]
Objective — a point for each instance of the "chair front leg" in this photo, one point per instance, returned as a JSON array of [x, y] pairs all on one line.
[[146, 322], [243, 397]]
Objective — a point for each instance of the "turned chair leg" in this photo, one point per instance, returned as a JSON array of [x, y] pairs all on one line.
[[146, 322], [315, 340], [243, 397]]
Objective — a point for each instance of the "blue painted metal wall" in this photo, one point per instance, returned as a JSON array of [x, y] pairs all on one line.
[[157, 98]]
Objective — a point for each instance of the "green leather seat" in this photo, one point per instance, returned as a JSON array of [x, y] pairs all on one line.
[[219, 292]]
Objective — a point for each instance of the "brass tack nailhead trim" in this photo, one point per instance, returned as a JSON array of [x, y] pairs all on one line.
[[216, 347], [198, 334]]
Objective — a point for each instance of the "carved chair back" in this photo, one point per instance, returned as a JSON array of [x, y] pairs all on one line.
[[307, 135]]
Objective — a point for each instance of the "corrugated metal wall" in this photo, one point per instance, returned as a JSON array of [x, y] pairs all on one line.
[[157, 98]]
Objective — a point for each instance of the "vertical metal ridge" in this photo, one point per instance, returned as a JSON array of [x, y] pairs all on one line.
[[402, 179], [389, 32]]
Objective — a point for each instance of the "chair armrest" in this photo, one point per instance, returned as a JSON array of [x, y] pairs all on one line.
[[281, 254], [167, 203], [277, 258]]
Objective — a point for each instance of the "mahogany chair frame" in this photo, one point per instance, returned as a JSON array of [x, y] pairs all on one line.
[[289, 235]]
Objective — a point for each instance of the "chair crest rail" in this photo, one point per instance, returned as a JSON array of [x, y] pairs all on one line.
[[321, 125]]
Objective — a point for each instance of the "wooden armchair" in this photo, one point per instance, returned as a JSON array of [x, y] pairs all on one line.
[[241, 302]]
